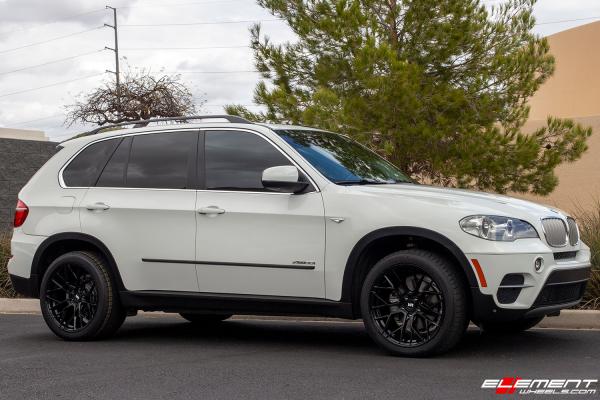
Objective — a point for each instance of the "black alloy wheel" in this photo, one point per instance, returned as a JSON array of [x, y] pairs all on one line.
[[71, 297], [407, 306], [79, 299], [414, 303]]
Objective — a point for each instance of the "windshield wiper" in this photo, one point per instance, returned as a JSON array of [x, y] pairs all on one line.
[[363, 182]]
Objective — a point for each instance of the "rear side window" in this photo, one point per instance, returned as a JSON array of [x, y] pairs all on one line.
[[113, 174], [85, 168], [236, 160], [162, 161]]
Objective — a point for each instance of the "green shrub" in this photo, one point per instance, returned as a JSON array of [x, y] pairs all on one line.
[[589, 228], [6, 289]]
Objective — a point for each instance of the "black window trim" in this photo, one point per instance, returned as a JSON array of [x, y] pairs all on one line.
[[61, 181], [201, 153], [120, 138], [200, 178]]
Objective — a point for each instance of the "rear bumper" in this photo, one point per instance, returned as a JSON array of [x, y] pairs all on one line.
[[26, 287], [562, 289], [23, 249]]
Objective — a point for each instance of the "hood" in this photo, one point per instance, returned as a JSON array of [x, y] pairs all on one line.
[[471, 202]]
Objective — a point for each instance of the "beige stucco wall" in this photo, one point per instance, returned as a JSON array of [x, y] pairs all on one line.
[[23, 134], [574, 89], [573, 92]]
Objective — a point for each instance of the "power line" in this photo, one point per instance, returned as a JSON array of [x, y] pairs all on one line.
[[51, 85], [51, 62], [57, 20], [151, 5], [50, 40], [567, 20], [214, 72], [184, 48], [234, 104], [204, 23]]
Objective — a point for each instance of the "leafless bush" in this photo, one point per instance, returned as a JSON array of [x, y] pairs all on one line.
[[140, 95]]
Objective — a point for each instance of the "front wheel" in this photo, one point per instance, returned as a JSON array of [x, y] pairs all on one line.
[[510, 327], [414, 303], [78, 297]]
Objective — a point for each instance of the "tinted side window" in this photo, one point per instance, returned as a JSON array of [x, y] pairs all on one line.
[[113, 174], [161, 160], [85, 168], [236, 160]]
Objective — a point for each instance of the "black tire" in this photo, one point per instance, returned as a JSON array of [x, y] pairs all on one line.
[[77, 287], [509, 327], [426, 301], [197, 318]]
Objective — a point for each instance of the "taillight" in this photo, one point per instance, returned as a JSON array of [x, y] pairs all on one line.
[[21, 213]]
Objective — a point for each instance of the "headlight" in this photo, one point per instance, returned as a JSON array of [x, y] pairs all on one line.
[[492, 227]]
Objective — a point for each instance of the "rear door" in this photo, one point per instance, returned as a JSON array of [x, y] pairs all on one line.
[[142, 207], [251, 240]]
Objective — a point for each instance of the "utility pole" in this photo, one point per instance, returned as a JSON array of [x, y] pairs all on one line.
[[116, 50]]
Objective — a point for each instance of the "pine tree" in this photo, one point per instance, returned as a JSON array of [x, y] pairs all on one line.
[[439, 87]]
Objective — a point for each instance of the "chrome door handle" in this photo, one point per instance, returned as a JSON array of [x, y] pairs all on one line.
[[97, 207], [211, 210]]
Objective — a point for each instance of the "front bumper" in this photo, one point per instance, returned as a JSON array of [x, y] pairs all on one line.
[[514, 290]]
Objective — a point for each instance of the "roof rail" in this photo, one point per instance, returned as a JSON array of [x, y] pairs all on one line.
[[144, 122]]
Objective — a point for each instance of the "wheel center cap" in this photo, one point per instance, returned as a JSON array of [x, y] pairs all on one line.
[[411, 304]]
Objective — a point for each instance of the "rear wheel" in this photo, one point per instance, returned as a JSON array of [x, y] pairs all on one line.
[[510, 327], [197, 318], [79, 299], [413, 303]]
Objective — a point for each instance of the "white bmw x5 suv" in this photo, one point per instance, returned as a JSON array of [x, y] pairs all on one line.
[[224, 216]]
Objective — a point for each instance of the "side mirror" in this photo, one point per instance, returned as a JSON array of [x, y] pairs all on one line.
[[284, 178]]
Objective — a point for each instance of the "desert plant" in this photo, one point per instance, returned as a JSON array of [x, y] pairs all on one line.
[[6, 289], [140, 95], [589, 228]]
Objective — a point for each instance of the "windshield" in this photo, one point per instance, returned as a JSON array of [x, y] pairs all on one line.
[[342, 160]]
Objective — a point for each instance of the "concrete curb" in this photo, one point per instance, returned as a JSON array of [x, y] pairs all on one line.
[[573, 319], [19, 306], [568, 319]]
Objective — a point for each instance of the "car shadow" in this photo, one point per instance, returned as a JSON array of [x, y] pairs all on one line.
[[265, 333], [331, 336]]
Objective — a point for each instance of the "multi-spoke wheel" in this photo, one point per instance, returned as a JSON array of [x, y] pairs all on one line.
[[413, 303], [407, 306], [71, 297], [78, 298]]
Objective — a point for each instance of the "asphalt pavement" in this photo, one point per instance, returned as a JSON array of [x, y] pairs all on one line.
[[167, 358]]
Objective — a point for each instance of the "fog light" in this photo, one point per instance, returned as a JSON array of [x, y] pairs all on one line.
[[538, 264]]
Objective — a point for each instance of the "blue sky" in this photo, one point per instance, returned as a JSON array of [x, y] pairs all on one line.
[[218, 75]]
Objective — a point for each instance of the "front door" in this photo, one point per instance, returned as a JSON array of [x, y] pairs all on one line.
[[250, 240]]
